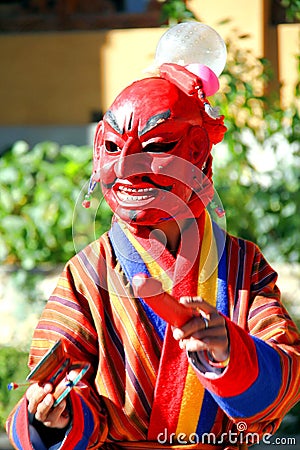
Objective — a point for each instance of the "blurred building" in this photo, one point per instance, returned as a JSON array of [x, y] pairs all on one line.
[[63, 61]]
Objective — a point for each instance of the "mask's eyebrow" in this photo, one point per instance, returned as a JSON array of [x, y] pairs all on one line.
[[155, 120], [110, 118]]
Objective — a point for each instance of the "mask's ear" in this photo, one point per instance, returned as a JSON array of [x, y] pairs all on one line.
[[98, 142], [198, 144]]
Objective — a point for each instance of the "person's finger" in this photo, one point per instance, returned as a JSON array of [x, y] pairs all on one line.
[[44, 407], [58, 417], [206, 336], [73, 374], [198, 324], [193, 345], [215, 344], [197, 303], [48, 387], [35, 394]]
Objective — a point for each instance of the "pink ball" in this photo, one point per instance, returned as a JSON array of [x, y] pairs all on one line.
[[209, 78]]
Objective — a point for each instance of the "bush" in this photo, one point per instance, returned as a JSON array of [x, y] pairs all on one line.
[[42, 222], [256, 172], [41, 193], [13, 367]]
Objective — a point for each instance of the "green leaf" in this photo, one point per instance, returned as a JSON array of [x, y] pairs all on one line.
[[12, 223], [8, 175], [20, 148]]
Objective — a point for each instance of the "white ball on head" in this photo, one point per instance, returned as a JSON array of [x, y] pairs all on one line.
[[192, 43]]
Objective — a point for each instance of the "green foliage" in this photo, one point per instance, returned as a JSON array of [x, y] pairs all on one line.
[[42, 222], [257, 173], [13, 367], [292, 8], [175, 11]]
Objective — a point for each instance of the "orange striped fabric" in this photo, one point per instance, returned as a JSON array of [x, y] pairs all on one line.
[[94, 312]]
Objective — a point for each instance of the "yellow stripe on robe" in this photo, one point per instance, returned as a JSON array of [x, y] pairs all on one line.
[[191, 405], [208, 268], [40, 344], [64, 283], [193, 392]]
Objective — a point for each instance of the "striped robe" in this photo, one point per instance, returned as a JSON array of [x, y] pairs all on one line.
[[143, 390]]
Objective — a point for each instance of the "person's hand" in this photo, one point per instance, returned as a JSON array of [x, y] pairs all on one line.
[[201, 327], [205, 331], [40, 403]]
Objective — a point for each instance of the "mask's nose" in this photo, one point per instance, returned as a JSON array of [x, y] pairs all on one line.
[[132, 160]]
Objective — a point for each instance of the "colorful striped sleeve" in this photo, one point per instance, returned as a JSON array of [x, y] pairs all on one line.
[[82, 434], [68, 316], [261, 382]]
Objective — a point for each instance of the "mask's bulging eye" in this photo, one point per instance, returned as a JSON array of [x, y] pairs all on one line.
[[160, 147], [111, 147]]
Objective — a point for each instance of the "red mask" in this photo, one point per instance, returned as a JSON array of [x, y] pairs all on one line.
[[149, 151]]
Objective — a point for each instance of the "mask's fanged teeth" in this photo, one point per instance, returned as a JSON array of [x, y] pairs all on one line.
[[128, 189], [131, 194]]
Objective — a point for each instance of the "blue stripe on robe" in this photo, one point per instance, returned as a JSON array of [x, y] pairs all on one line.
[[263, 391], [88, 427], [15, 430]]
